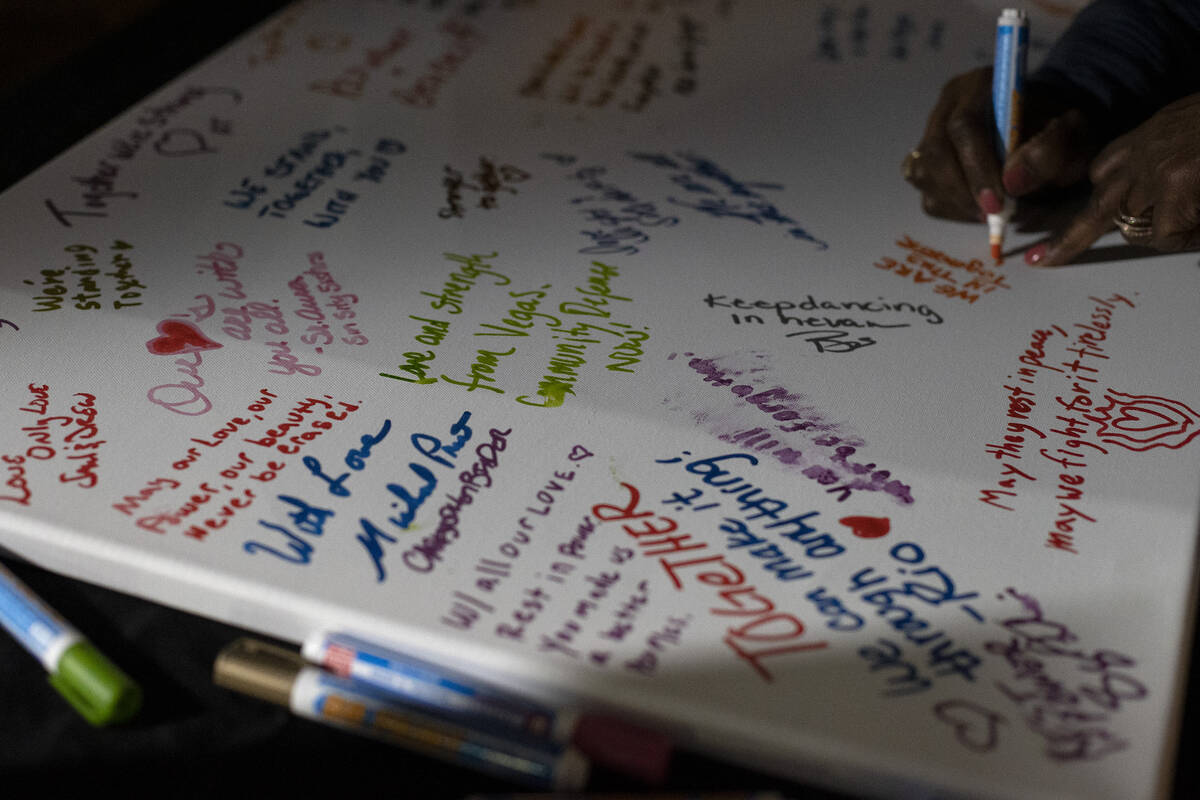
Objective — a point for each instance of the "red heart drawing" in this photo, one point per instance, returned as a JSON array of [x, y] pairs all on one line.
[[867, 527], [1141, 419], [1144, 421], [179, 337]]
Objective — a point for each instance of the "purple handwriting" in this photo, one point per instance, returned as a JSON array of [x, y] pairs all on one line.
[[824, 443], [1065, 693]]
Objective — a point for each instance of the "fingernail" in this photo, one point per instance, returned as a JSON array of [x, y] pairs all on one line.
[[1035, 254], [990, 202], [1017, 180]]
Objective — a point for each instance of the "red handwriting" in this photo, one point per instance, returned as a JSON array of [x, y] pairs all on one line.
[[132, 502], [16, 486], [271, 42], [1143, 422], [353, 79], [72, 436], [196, 502], [219, 514], [424, 91], [84, 454], [223, 434], [177, 336], [305, 421], [1066, 430], [211, 504], [764, 631]]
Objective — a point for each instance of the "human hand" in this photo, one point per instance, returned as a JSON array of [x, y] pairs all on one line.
[[1151, 175], [955, 165]]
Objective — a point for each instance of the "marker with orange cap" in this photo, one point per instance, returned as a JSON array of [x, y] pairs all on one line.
[[1008, 86]]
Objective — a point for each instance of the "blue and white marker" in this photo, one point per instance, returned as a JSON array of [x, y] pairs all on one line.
[[98, 690], [1008, 88]]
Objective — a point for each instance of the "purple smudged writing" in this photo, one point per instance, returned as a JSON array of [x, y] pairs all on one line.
[[787, 423]]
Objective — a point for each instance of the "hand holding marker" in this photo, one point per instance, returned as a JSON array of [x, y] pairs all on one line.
[[1008, 86]]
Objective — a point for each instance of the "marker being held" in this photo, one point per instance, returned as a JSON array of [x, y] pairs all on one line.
[[1008, 87], [1112, 111], [98, 690]]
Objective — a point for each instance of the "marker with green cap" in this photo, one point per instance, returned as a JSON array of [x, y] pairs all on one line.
[[98, 690]]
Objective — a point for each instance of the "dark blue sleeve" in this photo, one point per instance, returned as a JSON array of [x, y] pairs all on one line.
[[1126, 59]]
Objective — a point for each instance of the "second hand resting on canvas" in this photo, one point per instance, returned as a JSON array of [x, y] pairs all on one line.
[[1113, 112]]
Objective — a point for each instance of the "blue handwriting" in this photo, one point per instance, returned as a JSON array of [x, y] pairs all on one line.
[[307, 518], [356, 459], [409, 502]]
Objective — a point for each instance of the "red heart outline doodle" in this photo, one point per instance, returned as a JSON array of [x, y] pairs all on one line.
[[867, 527], [1142, 421], [179, 337]]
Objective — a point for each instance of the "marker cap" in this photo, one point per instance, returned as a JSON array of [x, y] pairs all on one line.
[[624, 747], [258, 669], [94, 686]]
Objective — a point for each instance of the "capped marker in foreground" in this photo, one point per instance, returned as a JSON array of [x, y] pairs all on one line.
[[281, 676], [606, 740], [93, 685]]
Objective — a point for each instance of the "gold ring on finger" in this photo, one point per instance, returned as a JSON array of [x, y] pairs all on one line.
[[1135, 228], [908, 166]]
